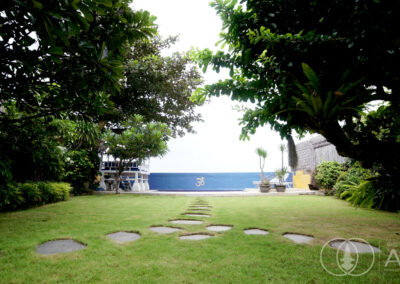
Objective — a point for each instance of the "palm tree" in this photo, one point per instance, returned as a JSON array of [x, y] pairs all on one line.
[[262, 154]]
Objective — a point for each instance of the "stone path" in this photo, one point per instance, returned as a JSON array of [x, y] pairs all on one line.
[[124, 237], [59, 246], [255, 232], [354, 247], [298, 238], [198, 209]]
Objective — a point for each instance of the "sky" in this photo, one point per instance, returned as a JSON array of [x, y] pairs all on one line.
[[216, 146]]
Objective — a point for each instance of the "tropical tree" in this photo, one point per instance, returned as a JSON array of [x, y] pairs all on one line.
[[137, 142], [316, 66], [158, 87], [262, 154], [64, 57]]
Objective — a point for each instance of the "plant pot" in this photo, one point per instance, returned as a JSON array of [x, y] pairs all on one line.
[[265, 187], [280, 188]]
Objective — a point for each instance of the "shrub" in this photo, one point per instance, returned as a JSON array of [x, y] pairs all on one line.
[[354, 175], [31, 194], [20, 196], [375, 192], [327, 174]]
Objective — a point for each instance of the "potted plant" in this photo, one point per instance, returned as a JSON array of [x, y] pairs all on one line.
[[264, 184], [280, 174]]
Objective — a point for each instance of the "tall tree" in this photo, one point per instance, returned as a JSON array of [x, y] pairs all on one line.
[[65, 56], [316, 66], [158, 87]]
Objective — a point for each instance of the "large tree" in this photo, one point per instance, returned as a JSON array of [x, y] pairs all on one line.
[[158, 87], [65, 56], [315, 66]]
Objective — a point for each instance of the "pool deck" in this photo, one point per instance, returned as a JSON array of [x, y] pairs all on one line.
[[246, 192]]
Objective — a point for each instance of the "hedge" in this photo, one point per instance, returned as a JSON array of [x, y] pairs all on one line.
[[21, 196]]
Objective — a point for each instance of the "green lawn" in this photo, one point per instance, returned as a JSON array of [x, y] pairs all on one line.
[[229, 257]]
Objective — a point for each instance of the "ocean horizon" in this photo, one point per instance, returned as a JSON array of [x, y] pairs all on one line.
[[220, 181]]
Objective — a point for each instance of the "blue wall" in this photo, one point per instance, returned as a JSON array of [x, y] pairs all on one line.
[[212, 181]]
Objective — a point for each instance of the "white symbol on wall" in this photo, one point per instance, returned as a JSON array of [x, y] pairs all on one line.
[[200, 181]]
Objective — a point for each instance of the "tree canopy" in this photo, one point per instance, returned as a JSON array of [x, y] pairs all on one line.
[[158, 87], [316, 66], [65, 56]]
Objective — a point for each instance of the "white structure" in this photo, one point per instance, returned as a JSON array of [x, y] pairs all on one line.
[[133, 178]]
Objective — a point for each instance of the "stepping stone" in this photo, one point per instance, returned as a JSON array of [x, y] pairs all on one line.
[[59, 246], [196, 215], [299, 239], [202, 207], [354, 247], [124, 237], [195, 237], [186, 222], [164, 230], [255, 232], [219, 228]]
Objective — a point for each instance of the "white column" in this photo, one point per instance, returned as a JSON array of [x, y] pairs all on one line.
[[146, 183], [141, 185], [136, 186], [102, 183]]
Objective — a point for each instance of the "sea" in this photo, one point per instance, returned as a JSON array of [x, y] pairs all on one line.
[[206, 181]]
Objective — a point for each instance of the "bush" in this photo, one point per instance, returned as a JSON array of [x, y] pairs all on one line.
[[21, 196], [354, 175], [327, 174], [375, 192]]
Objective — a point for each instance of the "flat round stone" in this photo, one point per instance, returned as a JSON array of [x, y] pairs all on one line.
[[164, 230], [219, 228], [186, 222], [123, 237], [59, 246], [354, 247], [298, 238], [201, 207], [255, 232], [196, 215], [195, 237]]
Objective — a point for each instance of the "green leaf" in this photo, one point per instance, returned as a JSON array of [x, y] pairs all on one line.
[[310, 74]]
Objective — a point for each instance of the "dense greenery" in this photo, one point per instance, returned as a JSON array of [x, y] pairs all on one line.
[[65, 56], [137, 142], [229, 257], [327, 174], [25, 195], [71, 71], [316, 66]]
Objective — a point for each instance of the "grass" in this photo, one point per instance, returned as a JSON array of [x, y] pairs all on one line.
[[229, 257]]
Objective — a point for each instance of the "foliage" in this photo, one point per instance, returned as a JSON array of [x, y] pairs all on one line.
[[138, 141], [21, 196], [366, 188], [29, 151], [81, 168], [313, 66], [262, 154], [280, 174], [158, 87], [353, 176], [81, 140], [327, 174], [65, 57], [313, 183]]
